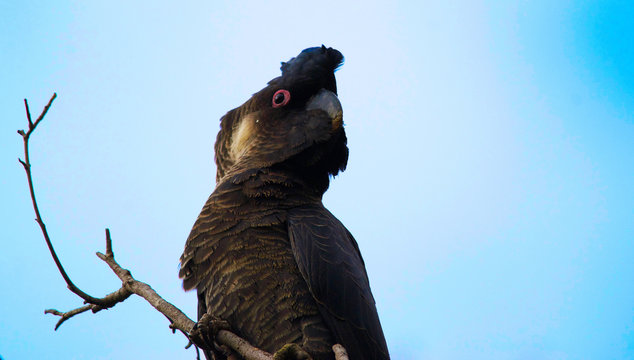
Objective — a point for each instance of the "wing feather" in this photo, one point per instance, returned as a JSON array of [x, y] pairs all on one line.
[[328, 258]]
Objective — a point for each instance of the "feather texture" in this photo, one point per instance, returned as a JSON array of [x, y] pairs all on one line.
[[264, 254]]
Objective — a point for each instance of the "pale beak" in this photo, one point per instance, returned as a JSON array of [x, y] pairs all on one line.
[[327, 101]]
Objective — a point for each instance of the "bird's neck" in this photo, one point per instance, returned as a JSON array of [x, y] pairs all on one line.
[[281, 182]]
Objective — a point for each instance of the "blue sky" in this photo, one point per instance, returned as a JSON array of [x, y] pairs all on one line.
[[489, 181]]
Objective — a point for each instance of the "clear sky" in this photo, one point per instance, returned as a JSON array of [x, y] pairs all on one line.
[[489, 184]]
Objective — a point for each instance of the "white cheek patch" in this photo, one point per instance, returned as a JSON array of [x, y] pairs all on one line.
[[242, 134]]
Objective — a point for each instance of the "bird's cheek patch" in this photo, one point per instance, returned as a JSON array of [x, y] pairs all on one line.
[[242, 134], [337, 121]]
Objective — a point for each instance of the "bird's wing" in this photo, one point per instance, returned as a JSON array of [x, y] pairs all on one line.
[[328, 258]]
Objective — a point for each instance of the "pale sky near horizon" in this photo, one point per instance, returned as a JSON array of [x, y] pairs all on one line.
[[489, 183]]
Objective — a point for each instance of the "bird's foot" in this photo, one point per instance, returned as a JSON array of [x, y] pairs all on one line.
[[291, 352], [205, 331]]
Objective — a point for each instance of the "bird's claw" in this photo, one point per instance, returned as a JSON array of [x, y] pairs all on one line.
[[206, 330], [291, 352]]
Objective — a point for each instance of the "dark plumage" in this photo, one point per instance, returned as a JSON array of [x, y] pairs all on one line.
[[264, 253]]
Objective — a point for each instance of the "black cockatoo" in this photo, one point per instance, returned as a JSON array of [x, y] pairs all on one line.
[[265, 255]]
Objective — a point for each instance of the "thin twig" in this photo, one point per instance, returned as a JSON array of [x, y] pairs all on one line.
[[28, 113], [38, 217], [178, 319], [69, 314]]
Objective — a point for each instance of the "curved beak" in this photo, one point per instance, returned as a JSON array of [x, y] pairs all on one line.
[[327, 101]]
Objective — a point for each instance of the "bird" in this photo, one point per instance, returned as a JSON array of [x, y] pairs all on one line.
[[265, 256]]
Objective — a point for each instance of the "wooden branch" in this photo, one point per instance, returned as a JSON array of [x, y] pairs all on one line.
[[130, 285], [178, 320]]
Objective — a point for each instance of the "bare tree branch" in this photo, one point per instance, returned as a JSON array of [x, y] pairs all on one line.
[[178, 320], [38, 218], [69, 314], [130, 285]]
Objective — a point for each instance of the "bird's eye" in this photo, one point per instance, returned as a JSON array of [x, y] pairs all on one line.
[[281, 98]]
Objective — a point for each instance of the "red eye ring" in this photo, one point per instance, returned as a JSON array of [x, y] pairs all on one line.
[[281, 98]]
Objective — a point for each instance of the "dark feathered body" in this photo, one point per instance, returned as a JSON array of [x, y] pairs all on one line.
[[264, 254]]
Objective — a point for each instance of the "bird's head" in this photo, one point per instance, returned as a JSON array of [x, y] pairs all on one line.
[[294, 122]]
